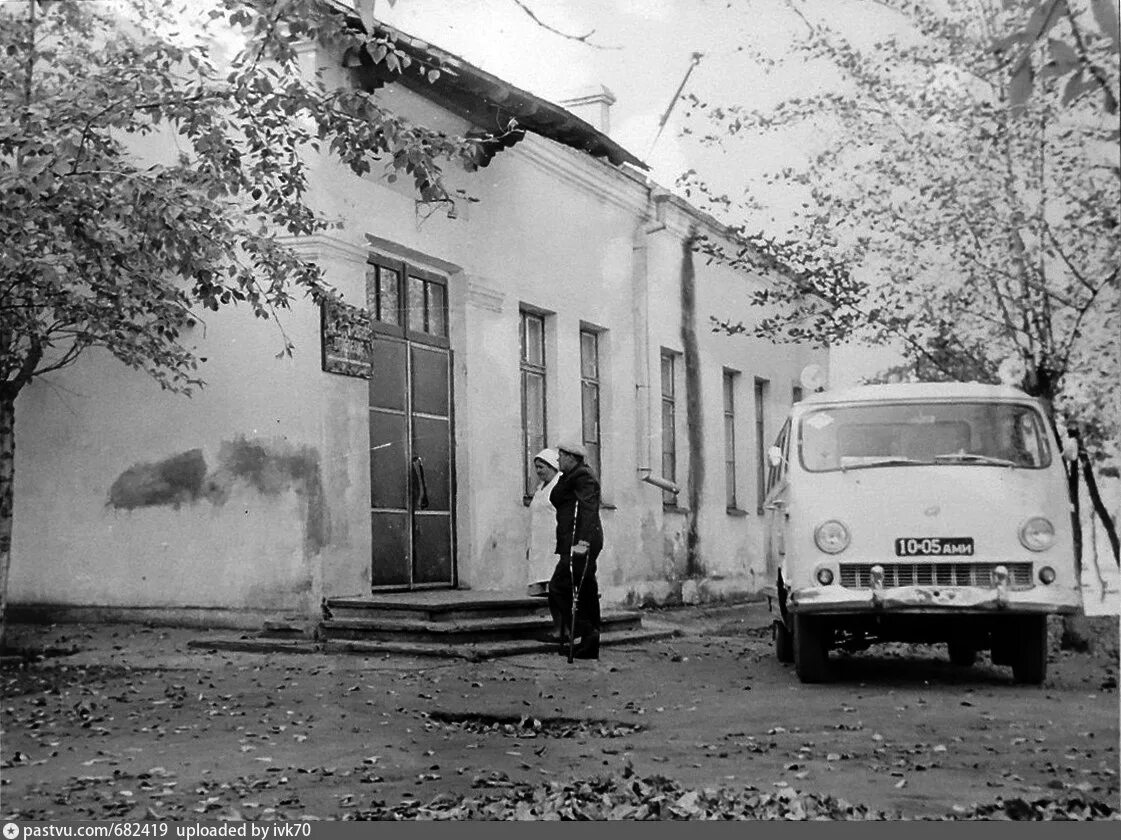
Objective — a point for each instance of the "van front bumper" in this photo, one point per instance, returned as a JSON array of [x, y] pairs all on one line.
[[932, 599]]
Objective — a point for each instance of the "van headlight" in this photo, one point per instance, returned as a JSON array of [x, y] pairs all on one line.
[[832, 537], [1037, 534]]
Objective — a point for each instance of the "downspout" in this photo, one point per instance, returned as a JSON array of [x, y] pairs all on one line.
[[651, 223], [693, 404]]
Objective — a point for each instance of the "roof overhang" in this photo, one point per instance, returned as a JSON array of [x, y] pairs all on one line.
[[494, 107]]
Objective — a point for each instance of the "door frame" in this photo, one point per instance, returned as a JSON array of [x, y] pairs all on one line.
[[403, 333]]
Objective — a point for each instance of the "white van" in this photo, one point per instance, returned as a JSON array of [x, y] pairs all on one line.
[[921, 513]]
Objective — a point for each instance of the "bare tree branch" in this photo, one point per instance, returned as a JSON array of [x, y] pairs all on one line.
[[583, 39], [1078, 275]]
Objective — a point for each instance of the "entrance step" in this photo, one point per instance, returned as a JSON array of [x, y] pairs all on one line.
[[436, 605], [461, 631], [493, 650], [455, 623], [474, 652]]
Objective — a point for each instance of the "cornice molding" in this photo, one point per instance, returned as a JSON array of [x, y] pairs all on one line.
[[482, 295], [625, 189], [581, 170], [394, 250], [321, 245]]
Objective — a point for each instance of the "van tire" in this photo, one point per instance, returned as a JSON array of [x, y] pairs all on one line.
[[1029, 658], [784, 642], [811, 657], [962, 654]]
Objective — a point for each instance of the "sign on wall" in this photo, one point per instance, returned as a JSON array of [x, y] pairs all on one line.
[[346, 339]]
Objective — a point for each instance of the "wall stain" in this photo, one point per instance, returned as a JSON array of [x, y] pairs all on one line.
[[269, 467], [174, 481], [675, 556]]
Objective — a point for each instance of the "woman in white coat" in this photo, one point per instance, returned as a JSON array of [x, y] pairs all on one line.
[[540, 553]]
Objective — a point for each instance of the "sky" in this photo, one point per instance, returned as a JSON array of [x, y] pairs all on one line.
[[640, 50]]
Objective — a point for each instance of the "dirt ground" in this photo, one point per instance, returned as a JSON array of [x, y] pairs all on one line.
[[127, 721]]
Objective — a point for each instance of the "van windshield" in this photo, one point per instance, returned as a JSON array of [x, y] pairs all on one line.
[[923, 433]]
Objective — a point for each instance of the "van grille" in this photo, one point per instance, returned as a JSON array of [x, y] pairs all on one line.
[[859, 575]]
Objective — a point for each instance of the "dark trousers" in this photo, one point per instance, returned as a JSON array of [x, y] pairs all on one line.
[[587, 602]]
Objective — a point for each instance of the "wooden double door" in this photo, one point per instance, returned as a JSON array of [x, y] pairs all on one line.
[[412, 480]]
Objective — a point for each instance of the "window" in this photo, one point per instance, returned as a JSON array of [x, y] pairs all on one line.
[[428, 306], [669, 421], [761, 387], [904, 435], [382, 294], [730, 439], [776, 472], [419, 305], [533, 394], [589, 398]]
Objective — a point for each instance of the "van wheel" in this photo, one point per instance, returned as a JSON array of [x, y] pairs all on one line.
[[962, 654], [811, 657], [1029, 658], [784, 642]]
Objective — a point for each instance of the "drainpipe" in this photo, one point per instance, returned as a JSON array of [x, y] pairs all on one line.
[[640, 295]]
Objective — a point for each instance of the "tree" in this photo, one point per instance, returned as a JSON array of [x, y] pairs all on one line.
[[946, 210], [106, 247], [1082, 48]]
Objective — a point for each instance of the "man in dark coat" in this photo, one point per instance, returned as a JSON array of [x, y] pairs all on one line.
[[579, 542]]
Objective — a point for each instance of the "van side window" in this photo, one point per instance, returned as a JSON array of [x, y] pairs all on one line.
[[775, 474]]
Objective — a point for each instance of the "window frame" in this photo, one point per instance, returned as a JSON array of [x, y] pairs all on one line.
[[777, 474], [760, 390], [729, 380], [404, 326], [669, 400], [528, 368], [594, 382]]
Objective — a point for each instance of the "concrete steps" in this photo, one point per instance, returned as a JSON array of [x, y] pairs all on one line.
[[469, 651], [429, 606], [461, 631], [448, 623]]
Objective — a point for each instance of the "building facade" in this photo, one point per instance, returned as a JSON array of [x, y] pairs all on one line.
[[392, 450]]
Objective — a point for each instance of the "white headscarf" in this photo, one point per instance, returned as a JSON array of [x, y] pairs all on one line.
[[550, 457]]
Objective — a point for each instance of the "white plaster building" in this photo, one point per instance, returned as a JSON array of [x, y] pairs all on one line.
[[555, 307]]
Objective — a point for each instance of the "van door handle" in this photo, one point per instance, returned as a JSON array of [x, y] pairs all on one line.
[[777, 504]]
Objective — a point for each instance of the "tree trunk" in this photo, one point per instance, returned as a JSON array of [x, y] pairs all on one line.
[[1040, 383], [7, 476], [1099, 505], [1076, 630]]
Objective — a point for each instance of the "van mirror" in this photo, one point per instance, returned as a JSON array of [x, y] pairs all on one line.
[[774, 455]]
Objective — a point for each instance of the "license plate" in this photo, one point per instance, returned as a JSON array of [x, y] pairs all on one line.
[[934, 546]]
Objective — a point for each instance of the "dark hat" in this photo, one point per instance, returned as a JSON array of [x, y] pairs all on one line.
[[573, 448]]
